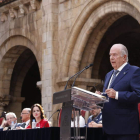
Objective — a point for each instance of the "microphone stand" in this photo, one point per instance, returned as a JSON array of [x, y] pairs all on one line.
[[69, 79], [51, 116], [81, 72], [78, 127], [77, 75], [65, 132]]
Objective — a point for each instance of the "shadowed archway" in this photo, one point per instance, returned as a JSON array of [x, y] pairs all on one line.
[[125, 30]]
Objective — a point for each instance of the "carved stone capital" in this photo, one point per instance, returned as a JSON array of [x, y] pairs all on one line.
[[33, 4], [3, 17], [4, 100], [79, 81], [13, 13], [21, 9], [3, 104]]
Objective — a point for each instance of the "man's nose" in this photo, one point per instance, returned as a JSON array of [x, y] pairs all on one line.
[[111, 57]]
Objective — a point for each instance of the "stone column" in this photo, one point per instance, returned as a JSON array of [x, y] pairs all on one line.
[[49, 54]]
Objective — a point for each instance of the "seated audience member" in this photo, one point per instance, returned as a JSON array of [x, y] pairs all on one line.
[[81, 120], [83, 113], [10, 117], [2, 118], [25, 117], [95, 120], [37, 113]]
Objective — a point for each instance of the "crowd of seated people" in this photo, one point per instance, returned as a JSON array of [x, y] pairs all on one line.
[[94, 120], [36, 113]]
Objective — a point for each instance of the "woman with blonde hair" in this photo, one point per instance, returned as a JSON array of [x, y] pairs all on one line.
[[37, 113]]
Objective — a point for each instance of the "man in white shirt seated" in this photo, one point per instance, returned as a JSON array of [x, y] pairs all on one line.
[[25, 117], [81, 119], [11, 118]]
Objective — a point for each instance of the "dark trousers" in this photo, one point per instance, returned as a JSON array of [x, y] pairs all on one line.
[[123, 137]]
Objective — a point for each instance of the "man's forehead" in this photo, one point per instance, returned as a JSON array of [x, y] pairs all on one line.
[[115, 51], [116, 47], [25, 110], [9, 116]]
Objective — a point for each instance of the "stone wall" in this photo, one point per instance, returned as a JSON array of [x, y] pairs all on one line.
[[63, 35]]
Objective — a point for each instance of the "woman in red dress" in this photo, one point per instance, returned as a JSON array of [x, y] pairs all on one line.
[[37, 113]]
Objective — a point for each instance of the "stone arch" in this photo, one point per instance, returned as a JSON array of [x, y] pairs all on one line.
[[125, 30], [10, 51], [90, 18], [22, 66], [92, 44]]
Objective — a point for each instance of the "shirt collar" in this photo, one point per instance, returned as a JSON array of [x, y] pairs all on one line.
[[122, 66], [27, 122]]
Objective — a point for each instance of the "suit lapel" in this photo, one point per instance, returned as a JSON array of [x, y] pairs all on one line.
[[107, 80], [122, 73]]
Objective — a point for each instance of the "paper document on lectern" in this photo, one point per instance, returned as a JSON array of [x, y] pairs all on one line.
[[86, 100]]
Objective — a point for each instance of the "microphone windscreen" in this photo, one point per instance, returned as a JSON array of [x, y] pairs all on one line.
[[90, 65]]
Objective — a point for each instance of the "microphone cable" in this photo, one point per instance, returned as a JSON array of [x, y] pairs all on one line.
[[51, 116]]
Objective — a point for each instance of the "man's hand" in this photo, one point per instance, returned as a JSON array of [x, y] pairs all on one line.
[[4, 124], [94, 124], [98, 92], [111, 93], [19, 128]]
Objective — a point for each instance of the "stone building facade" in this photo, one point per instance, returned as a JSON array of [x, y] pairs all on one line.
[[61, 37]]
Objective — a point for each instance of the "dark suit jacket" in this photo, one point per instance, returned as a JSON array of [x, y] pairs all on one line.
[[21, 125], [121, 116]]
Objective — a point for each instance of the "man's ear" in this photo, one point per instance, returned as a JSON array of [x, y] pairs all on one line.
[[125, 56]]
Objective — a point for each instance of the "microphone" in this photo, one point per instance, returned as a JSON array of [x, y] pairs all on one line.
[[77, 74], [81, 72], [51, 116], [20, 118]]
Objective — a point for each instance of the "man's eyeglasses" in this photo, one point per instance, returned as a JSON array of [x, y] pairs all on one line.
[[24, 113], [10, 118]]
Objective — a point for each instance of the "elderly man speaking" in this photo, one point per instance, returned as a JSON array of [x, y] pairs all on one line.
[[122, 87]]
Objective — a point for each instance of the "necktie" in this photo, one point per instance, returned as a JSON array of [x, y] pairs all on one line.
[[23, 125], [113, 77]]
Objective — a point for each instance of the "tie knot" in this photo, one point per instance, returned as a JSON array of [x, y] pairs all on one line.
[[116, 71]]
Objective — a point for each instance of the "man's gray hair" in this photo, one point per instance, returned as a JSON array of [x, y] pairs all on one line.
[[28, 109], [11, 113], [124, 51]]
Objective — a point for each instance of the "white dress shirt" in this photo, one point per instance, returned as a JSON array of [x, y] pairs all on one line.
[[27, 123], [119, 69], [81, 122]]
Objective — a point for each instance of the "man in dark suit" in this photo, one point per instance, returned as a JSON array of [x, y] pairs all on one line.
[[122, 86], [25, 117]]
